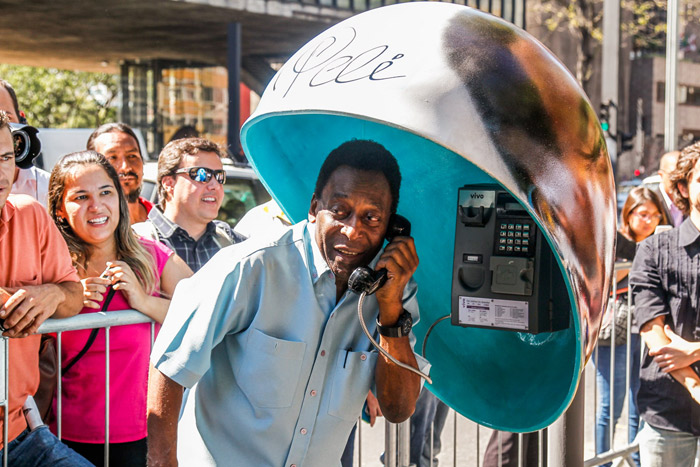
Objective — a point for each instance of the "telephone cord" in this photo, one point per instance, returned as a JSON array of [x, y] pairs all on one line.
[[381, 350]]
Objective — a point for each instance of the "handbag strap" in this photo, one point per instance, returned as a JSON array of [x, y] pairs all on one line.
[[91, 339]]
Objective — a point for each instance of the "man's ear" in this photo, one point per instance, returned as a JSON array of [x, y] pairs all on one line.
[[683, 188], [313, 209], [168, 183]]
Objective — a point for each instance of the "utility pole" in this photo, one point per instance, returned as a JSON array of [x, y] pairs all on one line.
[[639, 133], [671, 102], [610, 73]]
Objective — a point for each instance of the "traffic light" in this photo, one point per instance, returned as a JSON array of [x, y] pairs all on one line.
[[604, 116], [627, 141]]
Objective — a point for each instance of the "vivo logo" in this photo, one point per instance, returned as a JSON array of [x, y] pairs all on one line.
[[477, 196]]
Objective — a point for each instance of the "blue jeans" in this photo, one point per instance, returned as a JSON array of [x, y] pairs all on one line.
[[349, 452], [602, 432], [41, 448], [429, 409], [662, 448]]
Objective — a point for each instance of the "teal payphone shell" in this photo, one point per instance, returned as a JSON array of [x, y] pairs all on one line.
[[460, 98]]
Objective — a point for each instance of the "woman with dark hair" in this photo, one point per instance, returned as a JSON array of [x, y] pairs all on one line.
[[641, 214], [87, 204]]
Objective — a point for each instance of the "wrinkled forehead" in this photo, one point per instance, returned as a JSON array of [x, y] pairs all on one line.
[[116, 141], [207, 159], [357, 184]]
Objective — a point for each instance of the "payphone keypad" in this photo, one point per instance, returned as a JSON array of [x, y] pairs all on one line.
[[515, 237]]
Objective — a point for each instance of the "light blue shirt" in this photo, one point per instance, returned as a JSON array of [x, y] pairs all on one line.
[[277, 372]]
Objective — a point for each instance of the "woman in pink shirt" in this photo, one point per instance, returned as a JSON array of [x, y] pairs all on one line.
[[87, 204]]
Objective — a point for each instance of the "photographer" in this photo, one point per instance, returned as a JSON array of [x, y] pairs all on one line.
[[31, 181]]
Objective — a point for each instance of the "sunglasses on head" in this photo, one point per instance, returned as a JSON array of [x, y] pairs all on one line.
[[203, 174]]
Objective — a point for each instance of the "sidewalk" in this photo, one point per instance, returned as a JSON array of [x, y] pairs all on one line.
[[467, 452]]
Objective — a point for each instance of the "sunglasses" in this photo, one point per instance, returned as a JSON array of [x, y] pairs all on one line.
[[203, 174]]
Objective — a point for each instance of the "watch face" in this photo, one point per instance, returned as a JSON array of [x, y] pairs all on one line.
[[406, 325]]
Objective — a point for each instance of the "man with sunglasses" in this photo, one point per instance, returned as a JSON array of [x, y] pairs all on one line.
[[191, 181]]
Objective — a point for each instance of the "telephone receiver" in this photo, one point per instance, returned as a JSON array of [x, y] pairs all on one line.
[[364, 279]]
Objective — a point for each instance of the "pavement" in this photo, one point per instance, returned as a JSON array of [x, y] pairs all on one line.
[[464, 442]]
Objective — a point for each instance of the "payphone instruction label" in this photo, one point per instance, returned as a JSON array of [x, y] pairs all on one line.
[[489, 312]]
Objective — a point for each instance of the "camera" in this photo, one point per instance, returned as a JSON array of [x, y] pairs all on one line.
[[26, 143]]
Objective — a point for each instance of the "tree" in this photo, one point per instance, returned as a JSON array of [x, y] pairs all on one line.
[[53, 98], [643, 26]]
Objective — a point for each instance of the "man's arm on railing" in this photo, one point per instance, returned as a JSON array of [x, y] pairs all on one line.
[[164, 401], [655, 338], [31, 305]]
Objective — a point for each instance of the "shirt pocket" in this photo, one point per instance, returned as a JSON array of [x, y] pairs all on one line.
[[353, 374], [270, 370]]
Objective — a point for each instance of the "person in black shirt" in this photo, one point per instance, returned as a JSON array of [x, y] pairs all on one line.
[[664, 280]]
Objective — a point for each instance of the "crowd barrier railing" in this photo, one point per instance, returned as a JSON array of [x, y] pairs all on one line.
[[395, 437]]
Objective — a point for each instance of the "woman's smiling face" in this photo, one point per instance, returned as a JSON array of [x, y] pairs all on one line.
[[91, 205]]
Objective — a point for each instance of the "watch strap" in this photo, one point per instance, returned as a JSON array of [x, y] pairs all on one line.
[[402, 328]]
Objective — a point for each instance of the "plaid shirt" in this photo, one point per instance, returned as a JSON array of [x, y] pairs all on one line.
[[195, 252]]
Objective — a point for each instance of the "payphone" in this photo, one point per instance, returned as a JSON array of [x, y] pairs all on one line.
[[504, 273]]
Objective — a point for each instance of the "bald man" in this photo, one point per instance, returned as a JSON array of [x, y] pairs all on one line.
[[665, 189]]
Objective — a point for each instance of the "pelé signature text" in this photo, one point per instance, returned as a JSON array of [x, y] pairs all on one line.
[[327, 61]]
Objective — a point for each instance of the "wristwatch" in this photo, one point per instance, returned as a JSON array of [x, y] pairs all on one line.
[[402, 327]]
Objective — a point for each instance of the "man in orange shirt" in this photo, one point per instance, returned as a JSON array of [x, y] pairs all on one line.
[[38, 274]]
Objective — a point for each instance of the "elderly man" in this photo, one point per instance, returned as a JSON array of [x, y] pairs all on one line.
[[664, 281], [118, 143], [191, 181], [38, 274], [266, 337]]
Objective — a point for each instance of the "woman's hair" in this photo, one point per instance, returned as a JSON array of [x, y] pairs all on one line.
[[638, 196], [682, 173], [129, 249]]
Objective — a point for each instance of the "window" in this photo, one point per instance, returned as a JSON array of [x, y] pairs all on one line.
[[687, 95]]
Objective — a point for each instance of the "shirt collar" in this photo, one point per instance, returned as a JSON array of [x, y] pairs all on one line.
[[320, 266], [8, 211], [169, 228], [688, 233], [165, 226]]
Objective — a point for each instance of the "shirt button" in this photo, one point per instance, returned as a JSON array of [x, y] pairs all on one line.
[[313, 393], [303, 431], [323, 353], [363, 357]]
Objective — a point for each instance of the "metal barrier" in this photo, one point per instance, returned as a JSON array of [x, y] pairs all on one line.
[[100, 319], [396, 438], [620, 454]]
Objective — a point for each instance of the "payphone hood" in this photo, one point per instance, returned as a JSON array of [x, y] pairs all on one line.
[[459, 97]]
